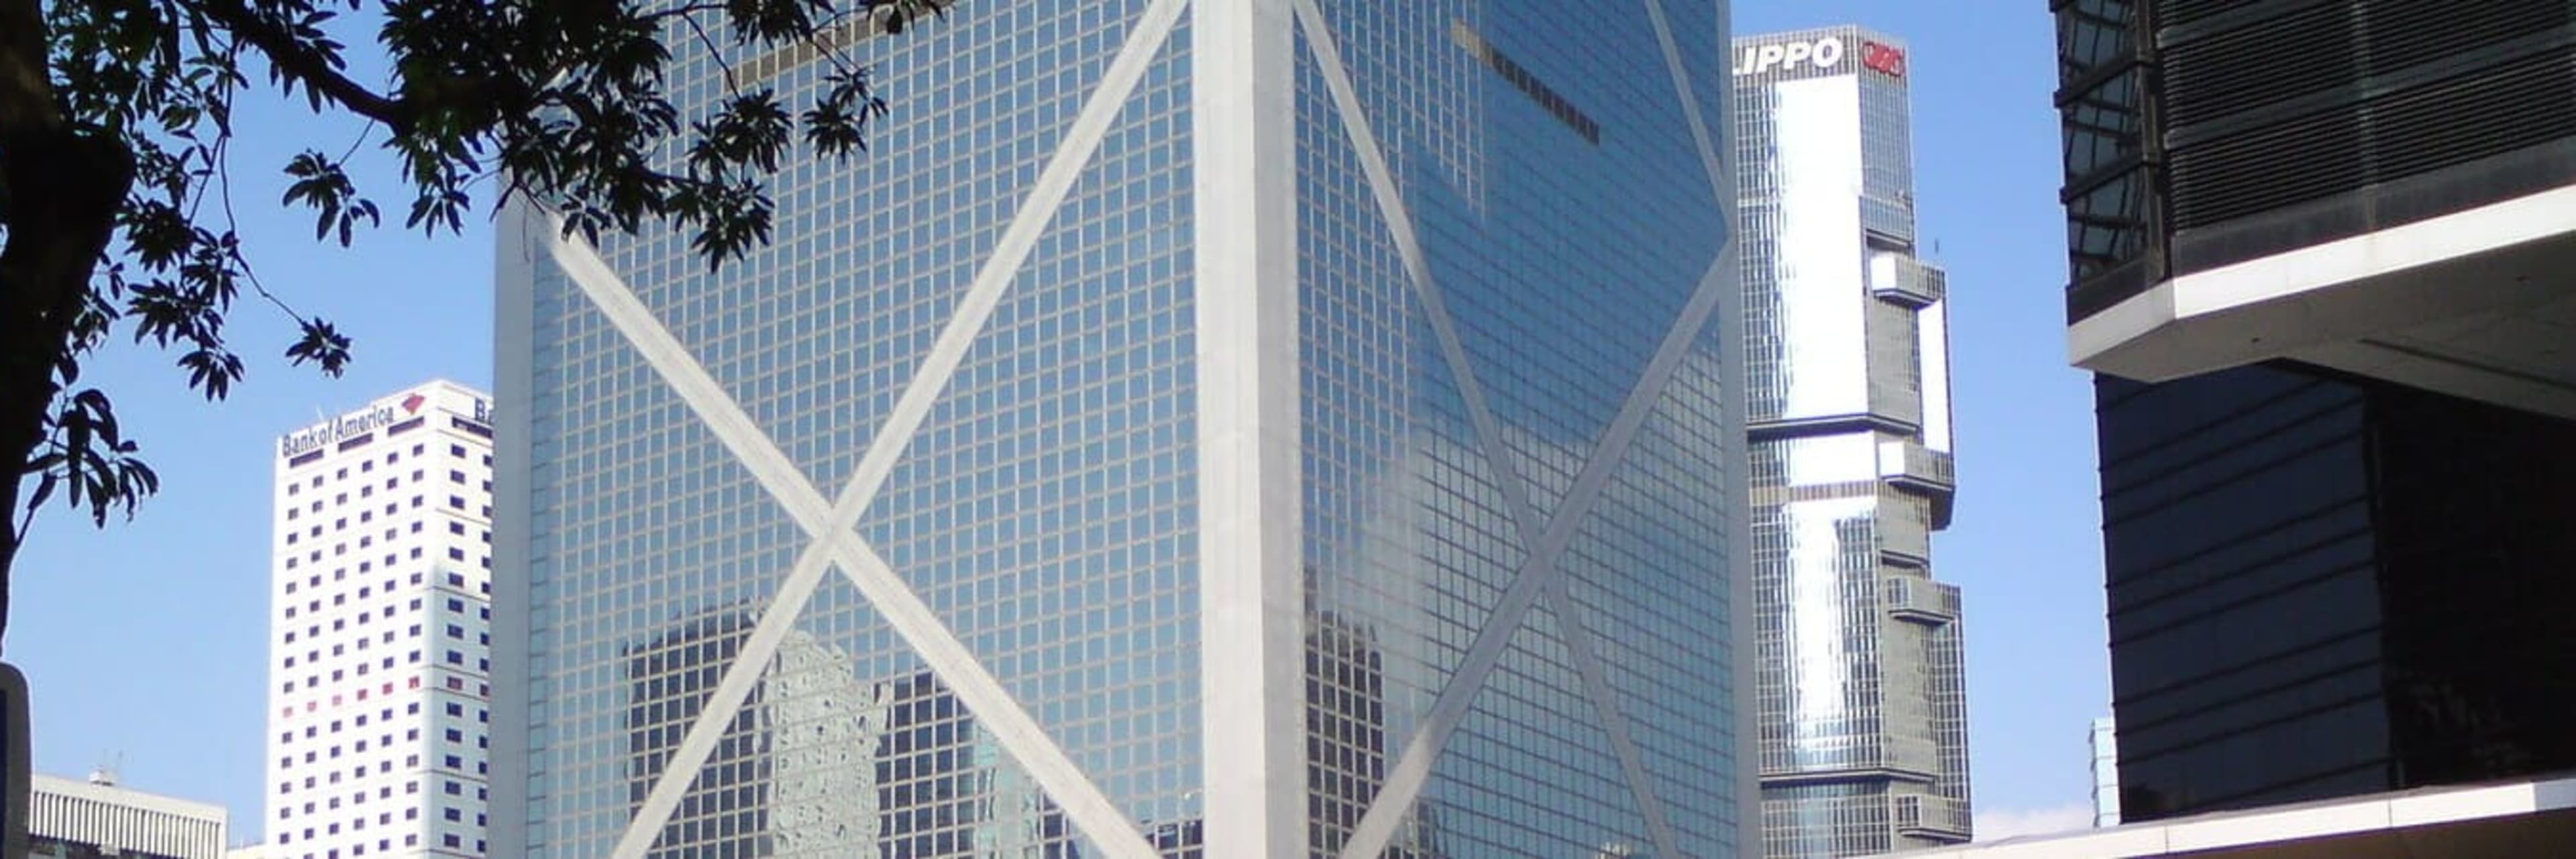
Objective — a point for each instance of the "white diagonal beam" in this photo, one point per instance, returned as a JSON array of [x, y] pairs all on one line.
[[1708, 157], [1406, 778], [1406, 781], [768, 465], [1596, 686], [1408, 246], [1719, 161], [1560, 600], [778, 475], [833, 529]]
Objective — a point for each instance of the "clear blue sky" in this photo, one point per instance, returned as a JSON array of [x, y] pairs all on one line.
[[146, 641]]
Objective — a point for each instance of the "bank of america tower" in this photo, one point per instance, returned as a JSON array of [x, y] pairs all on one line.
[[1260, 428]]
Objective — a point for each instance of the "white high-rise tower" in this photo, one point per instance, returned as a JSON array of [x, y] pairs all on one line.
[[379, 630]]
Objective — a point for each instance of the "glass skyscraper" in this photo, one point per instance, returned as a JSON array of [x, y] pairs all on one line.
[[1261, 428], [1863, 710]]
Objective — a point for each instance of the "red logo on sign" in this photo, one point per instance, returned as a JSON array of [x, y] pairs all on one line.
[[411, 404], [1883, 59]]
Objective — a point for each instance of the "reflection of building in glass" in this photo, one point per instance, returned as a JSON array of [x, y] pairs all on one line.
[[941, 789], [784, 778], [1346, 737], [727, 807], [1142, 310], [816, 763], [1862, 693], [1184, 838], [820, 735]]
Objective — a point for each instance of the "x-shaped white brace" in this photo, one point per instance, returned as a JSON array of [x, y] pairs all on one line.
[[1546, 539], [837, 544], [833, 527]]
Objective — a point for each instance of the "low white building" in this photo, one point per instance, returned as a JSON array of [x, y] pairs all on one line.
[[68, 818]]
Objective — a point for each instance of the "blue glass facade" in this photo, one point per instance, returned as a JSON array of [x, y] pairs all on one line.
[[1535, 155], [1263, 428]]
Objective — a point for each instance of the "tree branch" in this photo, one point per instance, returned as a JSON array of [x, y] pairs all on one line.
[[26, 90], [713, 53], [308, 65]]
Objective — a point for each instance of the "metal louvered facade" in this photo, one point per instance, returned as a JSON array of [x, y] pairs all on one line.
[[2290, 123], [67, 818], [2202, 133], [2384, 188]]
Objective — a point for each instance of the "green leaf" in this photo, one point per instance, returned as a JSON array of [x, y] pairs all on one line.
[[45, 484], [322, 345]]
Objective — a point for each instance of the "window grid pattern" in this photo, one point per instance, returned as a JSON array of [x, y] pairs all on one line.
[[1048, 509], [1042, 511], [1074, 407], [1530, 232]]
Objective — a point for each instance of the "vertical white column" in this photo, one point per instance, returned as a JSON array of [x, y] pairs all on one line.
[[514, 274], [1243, 109]]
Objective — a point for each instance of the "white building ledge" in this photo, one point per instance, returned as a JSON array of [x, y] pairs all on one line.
[[2479, 304], [2494, 821]]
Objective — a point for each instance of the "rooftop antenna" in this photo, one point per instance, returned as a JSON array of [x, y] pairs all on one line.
[[105, 773]]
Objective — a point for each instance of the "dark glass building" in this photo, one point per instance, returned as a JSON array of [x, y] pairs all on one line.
[[2325, 586], [2320, 256]]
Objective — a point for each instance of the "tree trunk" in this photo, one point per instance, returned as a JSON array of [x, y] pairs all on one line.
[[60, 190], [64, 191]]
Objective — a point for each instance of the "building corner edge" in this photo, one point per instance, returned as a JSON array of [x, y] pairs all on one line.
[[514, 264]]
